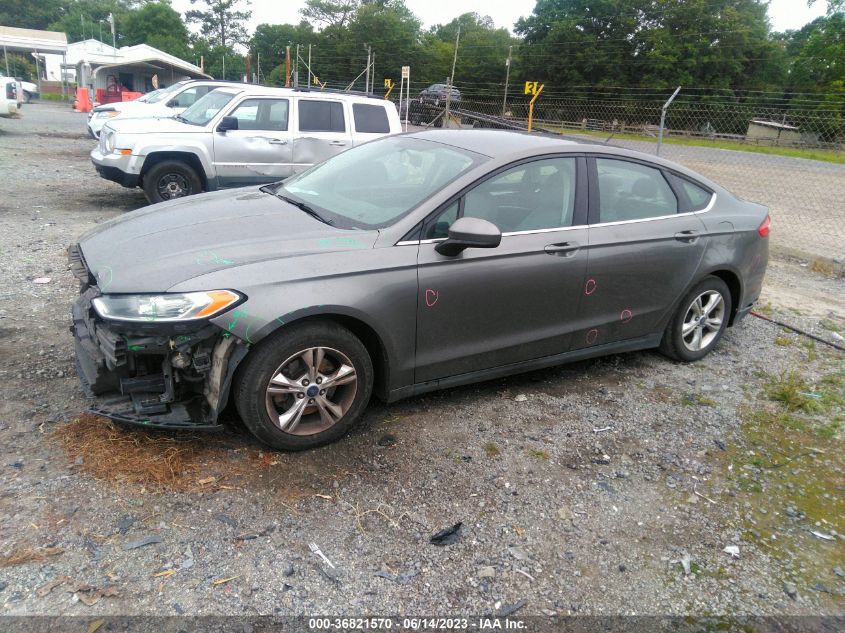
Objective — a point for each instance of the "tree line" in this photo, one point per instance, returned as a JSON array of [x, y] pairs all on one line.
[[572, 46]]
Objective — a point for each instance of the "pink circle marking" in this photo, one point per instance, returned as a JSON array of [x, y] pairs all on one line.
[[590, 286], [431, 297], [592, 335], [626, 316]]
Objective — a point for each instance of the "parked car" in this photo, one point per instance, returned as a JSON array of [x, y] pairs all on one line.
[[238, 136], [29, 91], [412, 263], [165, 102], [436, 94], [8, 96]]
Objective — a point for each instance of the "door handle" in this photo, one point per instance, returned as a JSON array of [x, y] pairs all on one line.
[[687, 236], [337, 143], [278, 141], [564, 249]]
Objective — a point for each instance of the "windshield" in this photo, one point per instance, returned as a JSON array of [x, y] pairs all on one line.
[[375, 184], [150, 95], [161, 93], [206, 108]]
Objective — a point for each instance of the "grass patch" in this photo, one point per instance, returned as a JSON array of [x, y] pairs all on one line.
[[697, 400], [537, 453], [830, 325], [791, 390], [29, 555], [492, 449], [783, 340], [766, 309], [828, 156], [823, 267]]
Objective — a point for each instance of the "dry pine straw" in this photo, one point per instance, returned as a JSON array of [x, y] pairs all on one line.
[[28, 555], [121, 455]]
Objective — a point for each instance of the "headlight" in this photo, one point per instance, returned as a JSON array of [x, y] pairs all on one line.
[[109, 142], [165, 307], [106, 114]]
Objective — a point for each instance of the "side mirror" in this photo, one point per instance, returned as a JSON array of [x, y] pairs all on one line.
[[469, 233], [227, 123]]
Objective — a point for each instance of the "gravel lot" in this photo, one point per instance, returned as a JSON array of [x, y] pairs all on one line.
[[604, 487]]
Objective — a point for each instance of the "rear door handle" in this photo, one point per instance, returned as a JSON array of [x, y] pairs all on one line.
[[337, 143], [278, 141], [563, 249], [687, 236]]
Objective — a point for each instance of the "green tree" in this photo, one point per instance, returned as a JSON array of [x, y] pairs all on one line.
[[26, 14], [156, 24], [330, 12], [221, 23], [269, 41], [86, 19]]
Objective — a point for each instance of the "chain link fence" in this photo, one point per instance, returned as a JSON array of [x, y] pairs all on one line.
[[789, 156]]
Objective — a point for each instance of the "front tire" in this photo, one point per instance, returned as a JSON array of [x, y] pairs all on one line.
[[171, 179], [700, 321], [305, 386]]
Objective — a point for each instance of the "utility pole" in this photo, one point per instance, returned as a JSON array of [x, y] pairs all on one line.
[[367, 79], [309, 67], [507, 79], [287, 66], [451, 79], [372, 81], [296, 69]]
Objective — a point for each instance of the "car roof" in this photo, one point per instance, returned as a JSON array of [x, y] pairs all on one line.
[[496, 143], [267, 91], [504, 145]]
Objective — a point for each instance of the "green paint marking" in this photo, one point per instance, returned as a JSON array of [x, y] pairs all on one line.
[[136, 348], [210, 257], [100, 277]]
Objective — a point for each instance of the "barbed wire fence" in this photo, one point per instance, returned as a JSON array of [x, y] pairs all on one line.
[[788, 155]]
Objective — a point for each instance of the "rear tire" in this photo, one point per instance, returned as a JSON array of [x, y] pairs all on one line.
[[315, 378], [700, 321], [171, 179]]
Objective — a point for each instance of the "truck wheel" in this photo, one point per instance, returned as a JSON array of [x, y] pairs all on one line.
[[171, 179]]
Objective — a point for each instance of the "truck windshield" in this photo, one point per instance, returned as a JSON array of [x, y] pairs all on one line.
[[206, 108], [159, 95]]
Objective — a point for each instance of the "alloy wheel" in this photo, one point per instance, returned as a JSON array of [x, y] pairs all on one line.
[[311, 391], [172, 186], [703, 320]]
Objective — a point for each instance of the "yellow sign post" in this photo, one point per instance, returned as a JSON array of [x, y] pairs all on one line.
[[388, 83], [532, 88]]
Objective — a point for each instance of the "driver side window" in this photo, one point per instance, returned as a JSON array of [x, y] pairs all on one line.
[[528, 197]]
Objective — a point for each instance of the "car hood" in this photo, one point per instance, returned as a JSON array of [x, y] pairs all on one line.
[[156, 123], [155, 248], [128, 107]]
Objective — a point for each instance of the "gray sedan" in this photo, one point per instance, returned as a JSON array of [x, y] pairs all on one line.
[[408, 264]]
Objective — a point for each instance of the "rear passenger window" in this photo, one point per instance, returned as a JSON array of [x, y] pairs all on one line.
[[321, 116], [698, 196], [630, 191], [370, 118]]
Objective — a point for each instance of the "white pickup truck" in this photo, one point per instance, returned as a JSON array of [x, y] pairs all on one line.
[[159, 103]]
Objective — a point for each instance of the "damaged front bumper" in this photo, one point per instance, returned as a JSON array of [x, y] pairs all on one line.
[[165, 375]]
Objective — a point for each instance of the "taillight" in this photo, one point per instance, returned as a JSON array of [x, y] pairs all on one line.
[[763, 229]]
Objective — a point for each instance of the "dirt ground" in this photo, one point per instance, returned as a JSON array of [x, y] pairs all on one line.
[[605, 487]]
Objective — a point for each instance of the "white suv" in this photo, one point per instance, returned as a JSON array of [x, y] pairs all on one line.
[[159, 103], [235, 136]]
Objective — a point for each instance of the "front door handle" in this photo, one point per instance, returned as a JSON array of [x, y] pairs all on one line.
[[687, 236], [278, 141], [337, 143], [563, 249]]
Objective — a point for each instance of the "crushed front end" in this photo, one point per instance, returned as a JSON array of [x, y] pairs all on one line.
[[151, 372]]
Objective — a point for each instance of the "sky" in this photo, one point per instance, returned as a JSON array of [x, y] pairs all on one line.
[[784, 14]]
